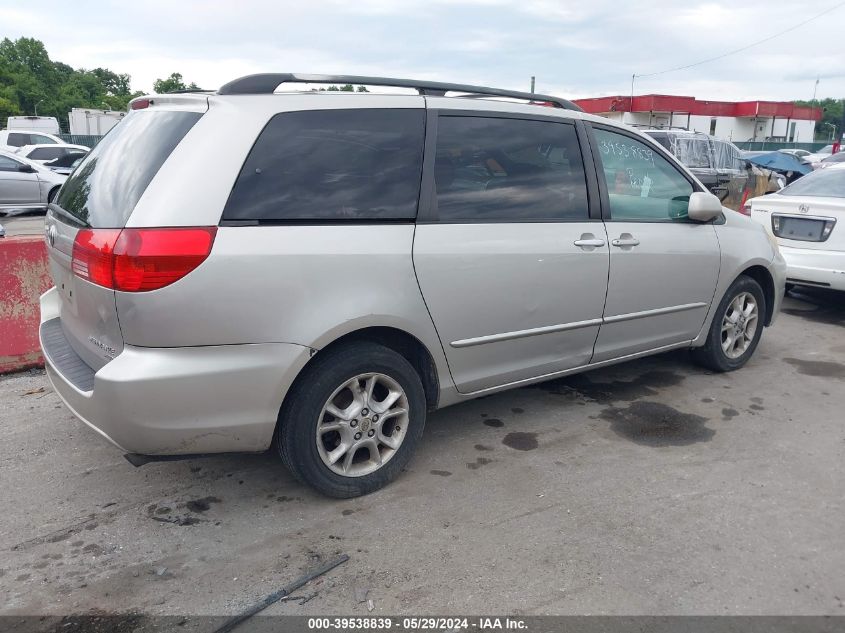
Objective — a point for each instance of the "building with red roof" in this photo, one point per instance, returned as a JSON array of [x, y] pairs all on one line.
[[729, 120]]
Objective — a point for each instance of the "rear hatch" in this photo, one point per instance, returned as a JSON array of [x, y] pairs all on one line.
[[85, 221]]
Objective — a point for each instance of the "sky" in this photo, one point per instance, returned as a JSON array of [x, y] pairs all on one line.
[[575, 49]]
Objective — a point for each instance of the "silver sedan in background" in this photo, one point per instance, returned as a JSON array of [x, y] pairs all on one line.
[[26, 185]]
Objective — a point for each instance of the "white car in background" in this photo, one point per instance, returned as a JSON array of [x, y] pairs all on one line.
[[798, 153], [834, 159], [816, 157], [47, 154], [11, 140], [806, 218]]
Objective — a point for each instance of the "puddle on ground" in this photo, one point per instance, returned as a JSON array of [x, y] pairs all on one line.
[[821, 368], [521, 441], [656, 424]]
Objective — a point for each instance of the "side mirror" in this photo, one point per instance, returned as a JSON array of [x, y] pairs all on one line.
[[704, 207], [27, 169]]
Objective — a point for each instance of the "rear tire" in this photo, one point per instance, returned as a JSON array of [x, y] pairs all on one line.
[[52, 195], [736, 328], [379, 406]]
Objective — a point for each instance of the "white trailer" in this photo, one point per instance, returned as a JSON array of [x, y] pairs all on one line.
[[93, 122], [47, 124]]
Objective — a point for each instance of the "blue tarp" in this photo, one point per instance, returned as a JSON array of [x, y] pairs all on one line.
[[777, 161]]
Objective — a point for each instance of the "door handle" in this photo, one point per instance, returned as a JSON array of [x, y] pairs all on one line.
[[588, 242], [626, 240]]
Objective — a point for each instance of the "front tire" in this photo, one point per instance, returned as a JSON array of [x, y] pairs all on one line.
[[736, 328], [352, 420]]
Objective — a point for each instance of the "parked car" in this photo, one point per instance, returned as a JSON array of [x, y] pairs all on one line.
[[343, 263], [25, 185], [717, 163], [10, 140], [817, 157], [804, 217], [833, 159], [66, 163], [48, 154], [799, 153]]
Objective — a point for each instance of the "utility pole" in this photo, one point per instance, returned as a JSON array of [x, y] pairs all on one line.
[[815, 88], [532, 84]]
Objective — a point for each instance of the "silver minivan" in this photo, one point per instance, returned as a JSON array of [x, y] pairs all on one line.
[[314, 271]]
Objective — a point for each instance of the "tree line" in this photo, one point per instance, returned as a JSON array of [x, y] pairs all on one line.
[[831, 116], [31, 82]]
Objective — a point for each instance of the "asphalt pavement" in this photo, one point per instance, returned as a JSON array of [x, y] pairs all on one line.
[[652, 487]]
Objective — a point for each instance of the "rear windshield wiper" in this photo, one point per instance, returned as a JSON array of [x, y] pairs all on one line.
[[67, 215]]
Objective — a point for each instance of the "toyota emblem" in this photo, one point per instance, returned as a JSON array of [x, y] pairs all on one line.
[[51, 234]]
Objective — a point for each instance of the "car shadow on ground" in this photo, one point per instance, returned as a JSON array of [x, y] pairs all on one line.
[[818, 305]]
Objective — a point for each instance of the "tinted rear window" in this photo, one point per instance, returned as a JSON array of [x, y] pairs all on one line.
[[107, 185], [824, 183], [332, 165], [512, 170]]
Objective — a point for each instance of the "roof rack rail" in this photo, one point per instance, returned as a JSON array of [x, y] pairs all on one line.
[[266, 83]]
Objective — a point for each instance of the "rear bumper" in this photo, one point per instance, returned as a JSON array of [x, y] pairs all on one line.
[[812, 267], [175, 401]]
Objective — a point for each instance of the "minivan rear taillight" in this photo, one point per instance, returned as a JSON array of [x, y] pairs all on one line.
[[137, 260]]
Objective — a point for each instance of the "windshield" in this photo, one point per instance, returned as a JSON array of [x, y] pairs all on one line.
[[828, 183], [105, 188]]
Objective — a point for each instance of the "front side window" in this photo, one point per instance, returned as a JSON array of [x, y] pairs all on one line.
[[641, 184], [513, 170], [332, 165]]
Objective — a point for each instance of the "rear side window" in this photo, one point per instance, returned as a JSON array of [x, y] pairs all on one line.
[[693, 152], [332, 165], [40, 139], [17, 139], [107, 185], [510, 170]]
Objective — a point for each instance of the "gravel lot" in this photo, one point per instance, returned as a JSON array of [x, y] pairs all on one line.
[[648, 488]]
